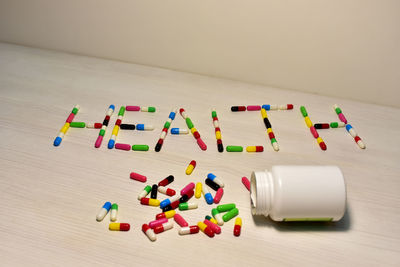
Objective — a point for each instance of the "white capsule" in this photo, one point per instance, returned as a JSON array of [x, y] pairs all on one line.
[[361, 144], [192, 205], [205, 190], [219, 219], [273, 107], [341, 124], [113, 137], [113, 215], [151, 235], [77, 107], [352, 132], [144, 109], [110, 111], [103, 211], [89, 125], [148, 127], [275, 146], [168, 225], [104, 127], [216, 123], [184, 230], [283, 107], [163, 134]]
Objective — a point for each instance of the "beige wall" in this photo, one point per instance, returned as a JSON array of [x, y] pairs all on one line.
[[349, 48]]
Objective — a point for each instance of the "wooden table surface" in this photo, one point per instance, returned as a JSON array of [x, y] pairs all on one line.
[[51, 195]]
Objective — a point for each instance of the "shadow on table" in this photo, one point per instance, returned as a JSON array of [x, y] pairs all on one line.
[[342, 225]]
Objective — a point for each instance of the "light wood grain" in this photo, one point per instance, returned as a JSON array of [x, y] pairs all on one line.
[[51, 195]]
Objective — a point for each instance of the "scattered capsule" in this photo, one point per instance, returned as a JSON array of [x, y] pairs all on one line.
[[140, 148], [212, 184], [103, 211], [74, 124], [214, 227], [119, 226], [183, 113], [149, 232], [314, 132], [351, 130], [188, 206], [145, 192], [96, 125], [234, 148], [253, 108], [321, 143], [342, 118], [168, 201], [179, 220], [218, 195], [186, 196], [218, 216], [215, 179], [238, 108], [308, 122], [154, 191], [164, 227], [321, 125], [255, 149], [337, 124], [359, 142], [207, 195], [337, 109], [226, 207], [150, 202], [155, 223], [114, 212], [187, 189], [230, 214], [179, 131], [166, 181], [168, 214], [303, 111], [205, 229], [246, 182], [138, 177], [125, 126], [238, 227], [201, 144], [132, 108], [166, 191], [198, 190], [191, 167], [144, 127], [194, 229], [148, 109], [211, 219], [121, 146]]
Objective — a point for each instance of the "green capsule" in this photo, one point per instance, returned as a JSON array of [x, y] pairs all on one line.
[[140, 147], [77, 124], [75, 110], [234, 148], [303, 111], [121, 111], [338, 110], [334, 124], [230, 214], [213, 114], [184, 206], [151, 109], [102, 132], [167, 124], [214, 212], [226, 207], [273, 140], [189, 123], [114, 206]]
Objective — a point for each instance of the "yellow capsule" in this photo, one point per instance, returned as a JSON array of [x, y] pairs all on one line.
[[213, 221], [154, 202], [202, 226], [319, 140], [169, 214], [251, 149], [198, 190], [238, 221], [64, 129], [308, 121], [119, 226], [218, 134], [264, 113], [193, 130], [115, 130], [191, 167], [269, 130]]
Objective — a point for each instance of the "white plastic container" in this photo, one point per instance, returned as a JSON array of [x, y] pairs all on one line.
[[299, 193]]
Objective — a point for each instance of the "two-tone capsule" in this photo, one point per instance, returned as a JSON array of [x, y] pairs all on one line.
[[238, 227], [217, 216], [114, 212], [215, 179], [168, 214], [144, 127], [103, 211], [194, 229], [163, 227], [255, 149], [207, 195], [168, 201], [188, 206], [191, 167], [166, 181], [212, 184], [148, 109], [149, 232], [166, 191], [145, 192], [150, 202], [238, 108], [119, 226], [179, 131], [206, 229]]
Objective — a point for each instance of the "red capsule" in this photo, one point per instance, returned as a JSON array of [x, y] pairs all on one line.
[[357, 138], [271, 135], [98, 125], [218, 195], [322, 145], [118, 122], [180, 220], [166, 181], [196, 135], [215, 118], [160, 141], [175, 204], [107, 118], [237, 230], [215, 228], [314, 132], [219, 141], [217, 129], [201, 144], [289, 106]]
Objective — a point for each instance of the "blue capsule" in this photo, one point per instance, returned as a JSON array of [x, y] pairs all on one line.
[[57, 141], [179, 131], [140, 127], [172, 115], [266, 107], [348, 127], [111, 144], [112, 107]]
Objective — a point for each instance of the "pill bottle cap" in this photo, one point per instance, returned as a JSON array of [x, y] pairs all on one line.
[[261, 193]]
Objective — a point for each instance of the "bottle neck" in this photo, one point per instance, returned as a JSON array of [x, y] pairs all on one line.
[[260, 193]]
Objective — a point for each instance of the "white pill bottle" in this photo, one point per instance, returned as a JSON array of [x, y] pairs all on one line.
[[299, 193]]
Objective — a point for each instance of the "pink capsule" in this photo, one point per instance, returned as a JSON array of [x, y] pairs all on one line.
[[253, 108], [186, 189], [132, 108], [342, 118], [246, 182], [121, 146], [201, 144], [218, 195], [98, 141], [155, 223], [216, 229], [314, 132], [138, 177], [70, 118], [179, 220]]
